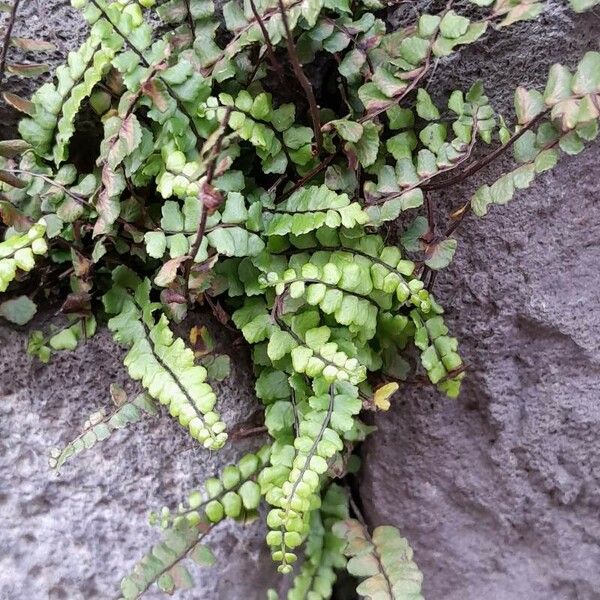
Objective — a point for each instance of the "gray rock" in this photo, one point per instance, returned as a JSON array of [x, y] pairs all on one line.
[[74, 536], [498, 490]]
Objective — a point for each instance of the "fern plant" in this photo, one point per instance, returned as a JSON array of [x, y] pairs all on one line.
[[225, 173]]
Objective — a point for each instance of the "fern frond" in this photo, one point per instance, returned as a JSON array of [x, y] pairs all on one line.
[[53, 123], [162, 565], [100, 426], [309, 209], [163, 363], [384, 560], [439, 354], [323, 555], [234, 494], [292, 484], [570, 101], [64, 338]]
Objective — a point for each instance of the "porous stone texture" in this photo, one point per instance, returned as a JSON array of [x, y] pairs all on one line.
[[498, 491]]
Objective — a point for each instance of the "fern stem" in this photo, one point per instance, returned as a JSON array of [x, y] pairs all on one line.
[[312, 173], [6, 40], [306, 465], [190, 20], [270, 50], [302, 80], [332, 287], [210, 173]]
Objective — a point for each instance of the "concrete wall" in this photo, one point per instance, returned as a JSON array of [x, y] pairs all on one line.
[[498, 491]]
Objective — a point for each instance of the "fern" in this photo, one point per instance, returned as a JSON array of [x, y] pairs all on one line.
[[311, 208], [323, 549], [18, 252], [67, 337], [234, 494], [56, 106], [571, 103], [100, 426], [163, 363], [309, 227], [383, 559], [162, 564]]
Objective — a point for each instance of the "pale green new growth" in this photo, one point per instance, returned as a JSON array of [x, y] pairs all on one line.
[[163, 363], [18, 252]]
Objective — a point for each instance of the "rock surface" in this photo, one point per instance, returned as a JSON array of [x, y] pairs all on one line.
[[497, 491]]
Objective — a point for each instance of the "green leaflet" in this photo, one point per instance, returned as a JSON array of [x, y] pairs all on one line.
[[582, 5], [234, 494], [18, 310], [292, 484], [18, 252], [162, 362], [65, 338], [310, 208], [383, 560], [100, 426]]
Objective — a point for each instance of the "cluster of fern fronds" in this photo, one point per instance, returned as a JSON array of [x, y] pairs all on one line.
[[225, 179]]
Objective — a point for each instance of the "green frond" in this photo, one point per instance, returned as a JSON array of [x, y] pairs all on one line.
[[323, 554], [100, 426], [292, 485], [439, 354], [309, 209], [235, 493], [571, 99], [162, 565], [383, 560], [162, 362]]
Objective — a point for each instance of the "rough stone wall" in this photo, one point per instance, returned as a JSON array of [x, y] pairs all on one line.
[[498, 491]]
